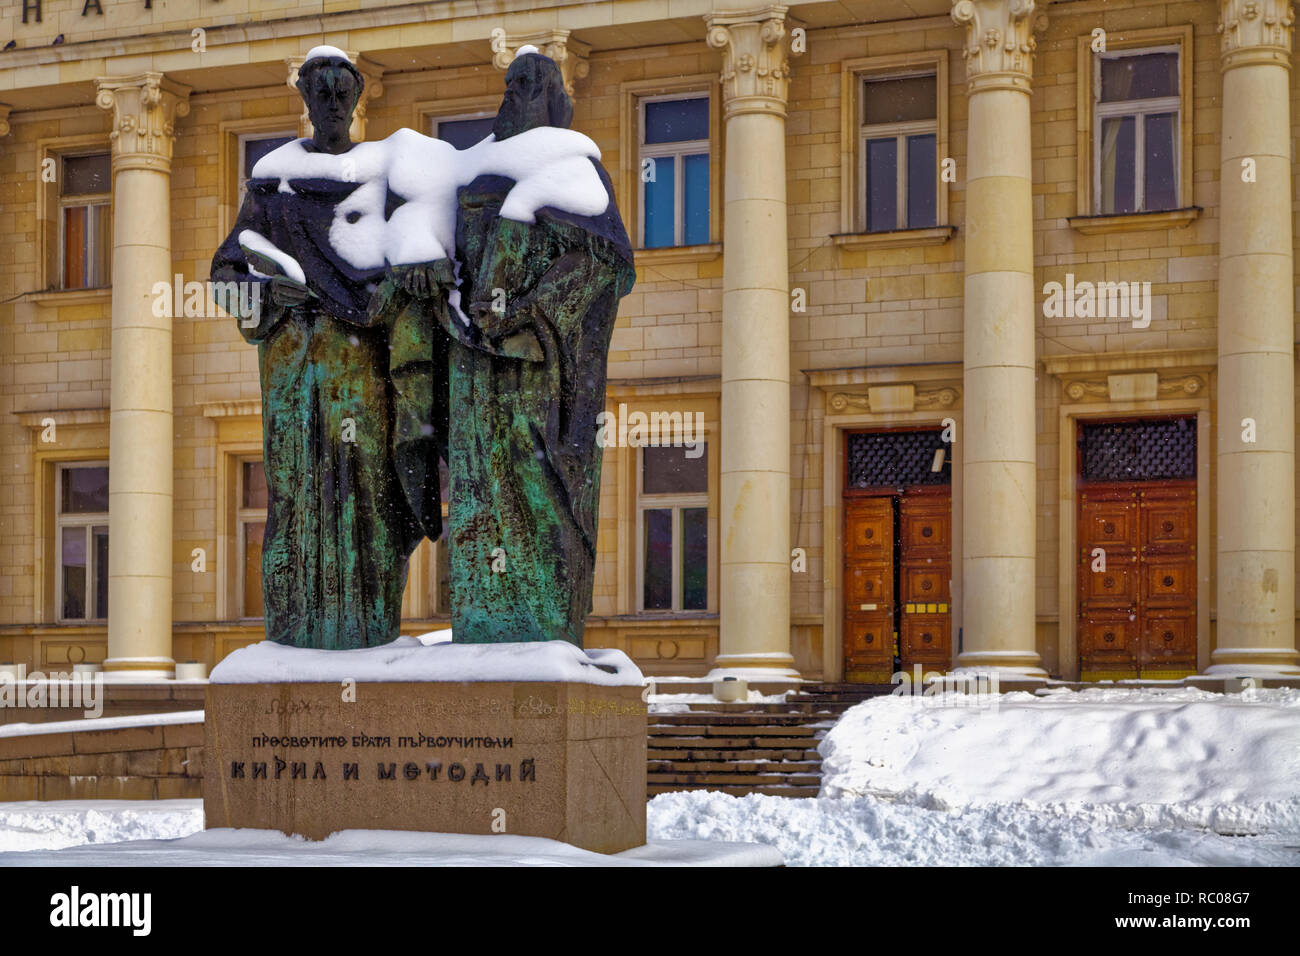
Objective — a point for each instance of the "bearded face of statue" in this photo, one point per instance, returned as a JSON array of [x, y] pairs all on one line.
[[534, 97]]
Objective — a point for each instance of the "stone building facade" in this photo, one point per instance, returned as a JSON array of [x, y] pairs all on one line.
[[985, 309]]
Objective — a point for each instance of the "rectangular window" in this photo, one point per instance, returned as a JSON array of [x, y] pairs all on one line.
[[673, 505], [674, 171], [85, 221], [253, 147], [250, 523], [1137, 106], [81, 542], [463, 131], [898, 137]]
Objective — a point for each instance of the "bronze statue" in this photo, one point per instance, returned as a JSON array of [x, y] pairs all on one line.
[[491, 359], [338, 528]]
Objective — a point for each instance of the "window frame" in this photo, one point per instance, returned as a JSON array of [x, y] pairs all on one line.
[[244, 516], [678, 149], [434, 120], [1087, 174], [899, 132], [87, 521], [1139, 109], [242, 175], [676, 502], [97, 205], [854, 75]]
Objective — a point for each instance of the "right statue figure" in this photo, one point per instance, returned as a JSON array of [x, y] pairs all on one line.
[[527, 382]]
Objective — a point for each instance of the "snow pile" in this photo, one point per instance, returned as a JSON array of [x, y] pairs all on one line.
[[1151, 757], [181, 841], [867, 831], [680, 703], [411, 659], [550, 166], [33, 825]]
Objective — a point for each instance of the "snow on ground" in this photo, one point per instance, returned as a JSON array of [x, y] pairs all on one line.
[[173, 835], [1109, 776], [1113, 776], [56, 824]]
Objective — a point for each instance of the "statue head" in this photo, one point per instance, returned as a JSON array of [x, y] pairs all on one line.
[[331, 87], [535, 96]]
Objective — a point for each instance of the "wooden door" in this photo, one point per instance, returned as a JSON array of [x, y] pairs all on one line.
[[1137, 580], [925, 573], [868, 590]]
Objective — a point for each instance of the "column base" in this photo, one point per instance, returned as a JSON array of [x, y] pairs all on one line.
[[1254, 662], [1007, 665], [754, 667], [139, 668]]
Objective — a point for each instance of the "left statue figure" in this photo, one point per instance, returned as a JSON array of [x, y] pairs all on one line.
[[338, 531]]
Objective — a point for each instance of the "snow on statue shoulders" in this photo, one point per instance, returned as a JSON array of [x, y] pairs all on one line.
[[550, 166]]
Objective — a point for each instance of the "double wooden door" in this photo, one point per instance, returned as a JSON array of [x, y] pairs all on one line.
[[1137, 580], [897, 584]]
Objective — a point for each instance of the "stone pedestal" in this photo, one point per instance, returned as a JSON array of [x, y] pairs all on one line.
[[560, 760]]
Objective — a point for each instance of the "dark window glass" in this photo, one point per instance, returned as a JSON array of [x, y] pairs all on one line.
[[695, 559], [254, 485], [695, 227], [658, 204], [1141, 450], [1159, 178], [922, 209], [72, 555], [465, 133], [255, 149], [99, 537], [676, 121], [1139, 77], [85, 491], [882, 185], [658, 583], [1118, 165], [667, 470], [900, 100], [83, 175], [898, 459]]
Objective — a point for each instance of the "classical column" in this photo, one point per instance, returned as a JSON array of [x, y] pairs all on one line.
[[144, 107], [998, 446], [754, 518], [569, 54], [372, 74], [1255, 592]]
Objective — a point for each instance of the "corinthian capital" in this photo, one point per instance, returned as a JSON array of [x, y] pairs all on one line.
[[1255, 31], [372, 74], [999, 50], [570, 55], [145, 107], [755, 59]]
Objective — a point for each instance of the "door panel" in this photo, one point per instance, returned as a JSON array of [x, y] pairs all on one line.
[[925, 574], [1138, 616], [868, 589]]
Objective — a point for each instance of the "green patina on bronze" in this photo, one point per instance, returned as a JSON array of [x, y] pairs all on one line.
[[506, 390]]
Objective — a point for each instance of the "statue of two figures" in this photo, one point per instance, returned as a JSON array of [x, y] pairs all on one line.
[[420, 303]]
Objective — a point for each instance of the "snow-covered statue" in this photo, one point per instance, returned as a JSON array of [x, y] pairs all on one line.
[[529, 300], [453, 304], [338, 528]]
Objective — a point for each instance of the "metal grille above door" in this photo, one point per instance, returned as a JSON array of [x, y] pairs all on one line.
[[1144, 450], [897, 459]]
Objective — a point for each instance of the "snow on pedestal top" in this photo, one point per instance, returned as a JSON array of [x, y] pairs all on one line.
[[410, 659]]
